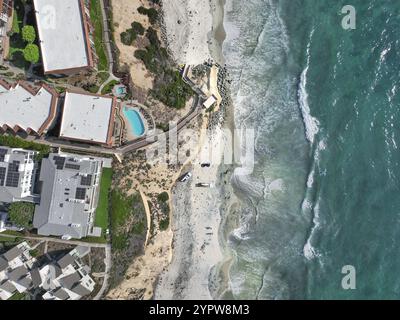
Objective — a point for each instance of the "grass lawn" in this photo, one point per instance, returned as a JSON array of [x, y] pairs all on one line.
[[94, 240], [103, 76], [102, 210], [93, 88], [12, 233], [9, 239], [109, 86], [18, 296], [97, 19], [127, 216]]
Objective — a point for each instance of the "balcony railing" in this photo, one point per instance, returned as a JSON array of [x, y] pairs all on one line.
[[4, 17]]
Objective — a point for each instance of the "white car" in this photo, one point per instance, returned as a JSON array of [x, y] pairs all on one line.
[[185, 177]]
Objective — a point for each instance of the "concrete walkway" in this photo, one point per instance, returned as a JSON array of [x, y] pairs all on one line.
[[73, 242], [107, 42], [108, 263]]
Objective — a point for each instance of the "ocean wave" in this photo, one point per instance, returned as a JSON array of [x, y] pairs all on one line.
[[241, 233], [307, 206], [312, 128], [311, 124], [308, 250]]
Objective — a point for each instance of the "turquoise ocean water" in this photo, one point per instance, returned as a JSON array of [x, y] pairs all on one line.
[[325, 105]]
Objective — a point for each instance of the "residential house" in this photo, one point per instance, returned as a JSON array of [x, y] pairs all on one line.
[[65, 34], [68, 279], [69, 198], [14, 271], [65, 278], [26, 108], [88, 118]]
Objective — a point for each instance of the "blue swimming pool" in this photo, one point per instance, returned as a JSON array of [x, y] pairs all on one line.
[[135, 121], [120, 90]]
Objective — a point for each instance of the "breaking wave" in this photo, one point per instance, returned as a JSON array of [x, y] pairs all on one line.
[[311, 124]]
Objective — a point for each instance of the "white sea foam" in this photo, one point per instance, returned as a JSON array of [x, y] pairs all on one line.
[[276, 185], [311, 124], [306, 205], [309, 251], [384, 53], [310, 179], [241, 233], [261, 100]]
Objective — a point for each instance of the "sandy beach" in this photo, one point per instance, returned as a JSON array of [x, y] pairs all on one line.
[[195, 225], [197, 257], [194, 30], [184, 258]]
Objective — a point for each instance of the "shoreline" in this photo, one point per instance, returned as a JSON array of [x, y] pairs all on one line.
[[194, 227], [217, 35], [201, 260]]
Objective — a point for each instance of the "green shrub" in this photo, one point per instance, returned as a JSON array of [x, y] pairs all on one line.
[[16, 142], [60, 89], [151, 13], [162, 126], [163, 197], [154, 56], [92, 88], [31, 53], [164, 224], [142, 10], [130, 35], [15, 23], [152, 35], [28, 34], [138, 28], [127, 37], [109, 86], [175, 92]]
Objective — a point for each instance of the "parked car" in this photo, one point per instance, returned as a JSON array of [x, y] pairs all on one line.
[[185, 177], [205, 165], [203, 185]]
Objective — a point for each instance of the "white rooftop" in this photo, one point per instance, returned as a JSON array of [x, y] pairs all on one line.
[[61, 34], [86, 117], [209, 102], [19, 107]]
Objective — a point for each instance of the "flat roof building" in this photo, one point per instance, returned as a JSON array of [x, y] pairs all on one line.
[[210, 102], [69, 197], [65, 36], [14, 270], [22, 273], [17, 174], [27, 108], [88, 118]]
